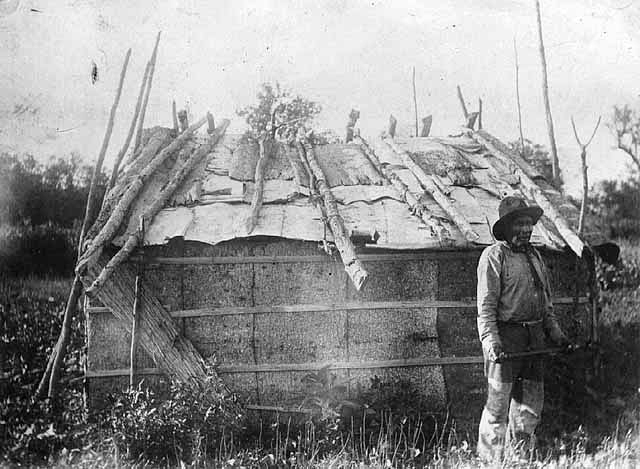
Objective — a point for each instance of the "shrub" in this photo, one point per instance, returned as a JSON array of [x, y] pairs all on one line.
[[192, 419]]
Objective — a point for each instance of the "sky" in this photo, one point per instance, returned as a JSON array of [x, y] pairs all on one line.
[[214, 55]]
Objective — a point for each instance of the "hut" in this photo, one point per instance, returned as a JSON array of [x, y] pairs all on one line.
[[273, 262]]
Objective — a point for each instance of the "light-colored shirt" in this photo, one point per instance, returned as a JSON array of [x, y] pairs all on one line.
[[507, 290]]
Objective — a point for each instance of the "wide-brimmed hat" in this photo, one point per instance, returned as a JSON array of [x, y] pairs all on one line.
[[511, 208]]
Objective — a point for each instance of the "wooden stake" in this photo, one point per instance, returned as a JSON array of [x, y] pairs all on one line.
[[183, 119], [515, 53], [462, 104], [427, 182], [352, 264], [211, 124], [547, 106], [585, 178], [354, 115], [426, 126], [135, 326], [479, 113], [51, 375], [258, 188], [391, 131], [415, 99], [152, 67], [174, 115], [125, 146], [119, 212]]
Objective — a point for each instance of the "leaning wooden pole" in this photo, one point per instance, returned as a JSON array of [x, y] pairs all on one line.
[[441, 199], [555, 165], [515, 53], [415, 99], [133, 240], [354, 268], [119, 212], [258, 186], [152, 68], [132, 128], [462, 104], [52, 372]]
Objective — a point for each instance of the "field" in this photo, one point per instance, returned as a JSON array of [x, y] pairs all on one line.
[[591, 421]]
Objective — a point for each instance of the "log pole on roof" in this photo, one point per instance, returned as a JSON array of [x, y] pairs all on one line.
[[258, 186], [465, 113], [143, 111], [428, 183], [574, 242], [133, 240], [352, 264], [479, 113], [211, 123], [184, 120], [120, 211], [418, 208]]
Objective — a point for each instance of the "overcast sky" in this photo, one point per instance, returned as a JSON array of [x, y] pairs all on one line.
[[344, 54]]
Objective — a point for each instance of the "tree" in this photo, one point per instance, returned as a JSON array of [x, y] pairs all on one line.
[[625, 126], [278, 114]]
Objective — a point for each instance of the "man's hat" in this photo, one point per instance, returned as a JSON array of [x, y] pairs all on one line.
[[511, 208]]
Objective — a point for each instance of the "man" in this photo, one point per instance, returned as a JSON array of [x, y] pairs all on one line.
[[515, 314]]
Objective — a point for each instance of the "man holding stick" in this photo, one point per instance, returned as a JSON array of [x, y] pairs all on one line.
[[515, 315]]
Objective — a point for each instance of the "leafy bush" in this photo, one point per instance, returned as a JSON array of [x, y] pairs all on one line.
[[191, 420]]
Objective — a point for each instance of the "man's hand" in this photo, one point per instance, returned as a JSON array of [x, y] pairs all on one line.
[[495, 352]]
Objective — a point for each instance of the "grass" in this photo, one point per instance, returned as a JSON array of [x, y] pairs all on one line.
[[590, 423]]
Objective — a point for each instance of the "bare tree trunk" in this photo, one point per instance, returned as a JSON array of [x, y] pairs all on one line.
[[545, 94], [515, 53], [585, 177]]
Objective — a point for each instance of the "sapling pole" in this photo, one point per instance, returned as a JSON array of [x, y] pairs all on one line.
[[152, 68], [585, 177], [52, 373], [415, 99], [515, 53], [135, 326], [174, 114], [462, 104], [547, 105]]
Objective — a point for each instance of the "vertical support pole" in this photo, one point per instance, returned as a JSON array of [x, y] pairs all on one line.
[[415, 99], [211, 123], [479, 113], [135, 327], [354, 115], [391, 130], [174, 114]]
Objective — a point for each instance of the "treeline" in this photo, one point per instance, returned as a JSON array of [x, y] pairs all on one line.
[[41, 209]]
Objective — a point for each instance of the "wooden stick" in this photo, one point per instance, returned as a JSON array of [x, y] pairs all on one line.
[[442, 200], [416, 207], [415, 99], [152, 67], [127, 142], [135, 326], [258, 188], [352, 264], [183, 119], [391, 131], [51, 375], [574, 242], [585, 177], [426, 126], [462, 104], [211, 124], [110, 228], [515, 53], [547, 106], [354, 115], [174, 114], [479, 113]]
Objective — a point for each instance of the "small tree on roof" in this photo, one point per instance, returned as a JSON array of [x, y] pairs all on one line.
[[278, 114]]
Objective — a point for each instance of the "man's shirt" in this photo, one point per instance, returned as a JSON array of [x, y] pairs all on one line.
[[507, 290]]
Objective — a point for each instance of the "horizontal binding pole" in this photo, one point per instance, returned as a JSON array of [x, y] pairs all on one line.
[[310, 308], [281, 410], [304, 259], [121, 372]]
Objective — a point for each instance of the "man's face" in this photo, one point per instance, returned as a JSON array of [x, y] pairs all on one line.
[[520, 230]]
